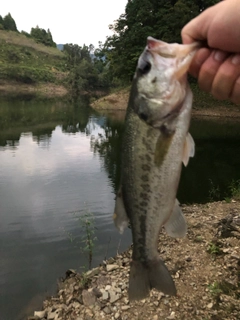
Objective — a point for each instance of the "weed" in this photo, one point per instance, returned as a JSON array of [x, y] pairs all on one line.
[[234, 189], [227, 199], [88, 238], [215, 289], [213, 248], [214, 191]]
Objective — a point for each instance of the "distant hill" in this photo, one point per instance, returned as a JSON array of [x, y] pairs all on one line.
[[60, 46], [24, 61]]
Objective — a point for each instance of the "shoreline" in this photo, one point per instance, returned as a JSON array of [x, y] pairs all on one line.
[[44, 90], [204, 266], [118, 102]]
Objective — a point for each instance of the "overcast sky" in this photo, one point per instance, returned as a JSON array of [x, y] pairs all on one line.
[[70, 21]]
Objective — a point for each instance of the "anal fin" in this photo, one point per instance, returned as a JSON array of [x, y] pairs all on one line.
[[176, 226], [120, 217]]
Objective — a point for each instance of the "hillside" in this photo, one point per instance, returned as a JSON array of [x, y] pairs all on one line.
[[28, 66]]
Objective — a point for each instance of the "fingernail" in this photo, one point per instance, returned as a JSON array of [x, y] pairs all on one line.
[[219, 55], [236, 59]]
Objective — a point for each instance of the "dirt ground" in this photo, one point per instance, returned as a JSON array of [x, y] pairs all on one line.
[[44, 90], [205, 266]]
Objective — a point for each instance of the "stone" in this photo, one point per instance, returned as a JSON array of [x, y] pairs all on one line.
[[111, 267], [125, 308], [89, 298], [210, 305], [103, 280], [93, 272], [51, 315], [105, 295], [107, 310], [172, 315], [113, 296], [97, 292], [117, 315], [40, 314], [108, 287]]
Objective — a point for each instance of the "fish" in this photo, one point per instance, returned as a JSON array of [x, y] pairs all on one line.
[[156, 142]]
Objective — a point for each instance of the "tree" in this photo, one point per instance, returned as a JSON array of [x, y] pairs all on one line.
[[159, 18], [1, 23], [42, 36], [9, 23], [82, 74]]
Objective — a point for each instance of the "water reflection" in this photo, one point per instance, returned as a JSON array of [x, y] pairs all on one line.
[[56, 158], [48, 173]]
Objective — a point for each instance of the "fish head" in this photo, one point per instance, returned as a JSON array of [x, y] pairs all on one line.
[[161, 80]]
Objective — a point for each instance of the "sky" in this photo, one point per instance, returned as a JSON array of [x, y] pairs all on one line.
[[71, 21]]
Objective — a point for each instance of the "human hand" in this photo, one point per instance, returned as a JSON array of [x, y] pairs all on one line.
[[218, 66]]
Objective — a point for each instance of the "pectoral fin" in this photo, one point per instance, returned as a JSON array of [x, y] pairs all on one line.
[[188, 150], [176, 226], [120, 217]]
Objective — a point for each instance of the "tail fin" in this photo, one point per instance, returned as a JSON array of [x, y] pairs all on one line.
[[143, 278]]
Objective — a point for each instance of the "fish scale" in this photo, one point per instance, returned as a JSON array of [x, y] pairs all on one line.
[[155, 143]]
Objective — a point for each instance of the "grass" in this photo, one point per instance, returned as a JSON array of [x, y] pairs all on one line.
[[15, 38], [24, 61], [213, 248]]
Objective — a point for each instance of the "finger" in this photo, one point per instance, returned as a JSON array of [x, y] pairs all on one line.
[[200, 57], [235, 94], [209, 69], [197, 28], [226, 76]]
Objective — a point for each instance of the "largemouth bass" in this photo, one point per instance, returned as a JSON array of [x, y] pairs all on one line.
[[156, 142]]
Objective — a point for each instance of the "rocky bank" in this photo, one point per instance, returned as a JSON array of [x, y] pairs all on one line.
[[205, 266]]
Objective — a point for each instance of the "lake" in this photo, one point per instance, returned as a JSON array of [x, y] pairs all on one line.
[[60, 161]]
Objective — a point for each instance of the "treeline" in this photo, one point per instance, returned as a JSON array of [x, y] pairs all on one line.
[[38, 34], [161, 19], [113, 63]]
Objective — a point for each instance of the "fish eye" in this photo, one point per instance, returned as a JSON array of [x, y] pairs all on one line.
[[144, 67]]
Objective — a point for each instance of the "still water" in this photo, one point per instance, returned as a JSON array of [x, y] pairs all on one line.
[[59, 160]]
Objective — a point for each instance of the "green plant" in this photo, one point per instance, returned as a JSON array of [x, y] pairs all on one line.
[[234, 189], [214, 191], [215, 289], [88, 238], [227, 199], [213, 248]]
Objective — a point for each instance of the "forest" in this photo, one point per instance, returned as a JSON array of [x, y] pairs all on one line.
[[112, 64]]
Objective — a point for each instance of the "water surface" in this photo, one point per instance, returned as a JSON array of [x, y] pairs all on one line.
[[58, 160]]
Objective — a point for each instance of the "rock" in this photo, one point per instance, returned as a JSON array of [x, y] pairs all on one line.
[[117, 315], [92, 272], [113, 296], [97, 292], [105, 295], [40, 314], [51, 315], [111, 267], [125, 308], [172, 315], [89, 298], [103, 280], [210, 305], [108, 287], [70, 272], [107, 310]]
